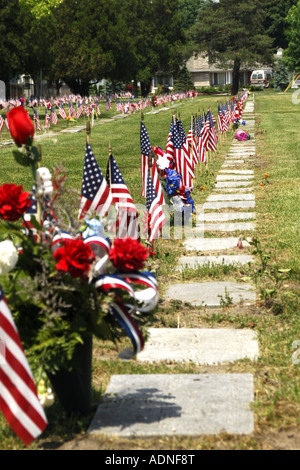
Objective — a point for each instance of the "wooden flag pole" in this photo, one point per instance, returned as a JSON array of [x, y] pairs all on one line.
[[88, 131], [39, 206], [192, 131], [109, 162]]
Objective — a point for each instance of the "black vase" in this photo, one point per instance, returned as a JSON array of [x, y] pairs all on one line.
[[73, 388]]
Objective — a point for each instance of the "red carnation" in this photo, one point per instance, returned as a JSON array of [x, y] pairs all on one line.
[[13, 202], [20, 125], [128, 254], [74, 257]]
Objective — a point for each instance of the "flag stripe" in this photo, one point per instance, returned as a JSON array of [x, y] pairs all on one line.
[[19, 402]]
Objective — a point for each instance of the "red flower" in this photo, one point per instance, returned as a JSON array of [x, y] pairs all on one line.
[[74, 257], [13, 202], [128, 254], [20, 125]]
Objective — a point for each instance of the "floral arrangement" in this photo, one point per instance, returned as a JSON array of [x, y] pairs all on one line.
[[63, 281]]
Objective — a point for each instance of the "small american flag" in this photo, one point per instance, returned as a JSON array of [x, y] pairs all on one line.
[[19, 402], [47, 119], [127, 216], [220, 120], [107, 104], [72, 112], [36, 119], [1, 123], [95, 193], [156, 217], [79, 110], [62, 112], [53, 116], [145, 152], [212, 137]]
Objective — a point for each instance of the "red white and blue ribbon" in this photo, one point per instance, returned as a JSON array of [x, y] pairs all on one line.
[[120, 312], [143, 300]]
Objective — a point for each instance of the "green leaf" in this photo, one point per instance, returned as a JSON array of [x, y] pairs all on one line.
[[35, 223], [21, 159]]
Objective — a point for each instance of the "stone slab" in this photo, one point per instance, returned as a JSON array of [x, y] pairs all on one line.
[[232, 184], [233, 190], [210, 294], [194, 261], [231, 197], [234, 177], [225, 216], [237, 172], [230, 163], [212, 244], [227, 227], [229, 204], [150, 405], [206, 346]]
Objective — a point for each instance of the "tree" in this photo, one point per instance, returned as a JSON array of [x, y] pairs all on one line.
[[87, 43], [183, 80], [291, 55], [276, 22], [156, 38], [281, 77], [231, 33], [188, 10], [12, 44]]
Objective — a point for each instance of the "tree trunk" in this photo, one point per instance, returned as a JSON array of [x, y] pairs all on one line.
[[135, 88], [145, 88], [236, 76]]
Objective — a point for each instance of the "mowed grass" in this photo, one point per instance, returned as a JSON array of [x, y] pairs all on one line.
[[277, 391]]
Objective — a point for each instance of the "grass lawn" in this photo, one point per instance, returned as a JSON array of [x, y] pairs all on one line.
[[275, 316]]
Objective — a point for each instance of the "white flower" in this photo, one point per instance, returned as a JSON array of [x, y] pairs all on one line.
[[163, 162], [8, 256], [177, 203], [44, 181]]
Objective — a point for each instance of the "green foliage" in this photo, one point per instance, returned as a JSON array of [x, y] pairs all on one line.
[[12, 44], [276, 22], [183, 80], [281, 77], [292, 53], [232, 32]]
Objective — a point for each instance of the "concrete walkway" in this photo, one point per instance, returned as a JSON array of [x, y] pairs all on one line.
[[195, 404]]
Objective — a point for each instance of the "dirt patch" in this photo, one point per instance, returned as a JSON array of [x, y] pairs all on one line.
[[285, 439]]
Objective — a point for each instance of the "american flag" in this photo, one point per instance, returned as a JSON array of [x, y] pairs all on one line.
[[1, 123], [205, 131], [181, 131], [61, 111], [31, 212], [36, 119], [127, 216], [53, 116], [71, 110], [19, 401], [212, 137], [156, 182], [191, 138], [169, 146], [95, 193], [145, 153], [47, 119], [156, 217], [220, 120], [107, 104], [98, 108], [79, 110], [179, 156]]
